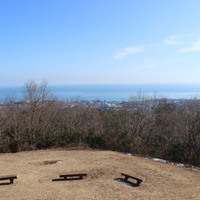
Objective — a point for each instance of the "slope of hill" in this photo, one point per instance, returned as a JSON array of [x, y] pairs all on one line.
[[37, 172]]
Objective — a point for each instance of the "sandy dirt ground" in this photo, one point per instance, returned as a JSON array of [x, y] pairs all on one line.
[[38, 177]]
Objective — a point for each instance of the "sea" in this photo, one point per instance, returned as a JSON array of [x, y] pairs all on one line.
[[110, 92]]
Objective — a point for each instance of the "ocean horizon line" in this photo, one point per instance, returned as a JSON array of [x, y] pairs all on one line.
[[112, 92]]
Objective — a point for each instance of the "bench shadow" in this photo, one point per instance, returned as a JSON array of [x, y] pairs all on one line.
[[121, 180], [5, 184], [68, 179]]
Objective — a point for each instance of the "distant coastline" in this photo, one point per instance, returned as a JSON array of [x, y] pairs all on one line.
[[112, 92]]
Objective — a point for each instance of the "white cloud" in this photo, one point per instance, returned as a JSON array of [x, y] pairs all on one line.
[[195, 47], [147, 65], [130, 50], [173, 40]]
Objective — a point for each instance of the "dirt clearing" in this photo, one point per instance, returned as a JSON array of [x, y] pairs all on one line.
[[38, 171]]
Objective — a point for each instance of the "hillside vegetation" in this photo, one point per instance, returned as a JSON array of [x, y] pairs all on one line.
[[143, 126]]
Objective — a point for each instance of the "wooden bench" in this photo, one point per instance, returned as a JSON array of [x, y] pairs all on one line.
[[11, 177], [128, 176], [80, 175]]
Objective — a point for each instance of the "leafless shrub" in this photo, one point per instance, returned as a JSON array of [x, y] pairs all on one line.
[[145, 126]]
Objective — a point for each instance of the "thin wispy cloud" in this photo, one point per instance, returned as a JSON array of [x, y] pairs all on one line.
[[195, 47], [130, 50], [173, 40], [147, 65], [152, 64]]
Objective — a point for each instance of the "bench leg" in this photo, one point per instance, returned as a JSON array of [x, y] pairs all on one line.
[[138, 182], [11, 181], [126, 178]]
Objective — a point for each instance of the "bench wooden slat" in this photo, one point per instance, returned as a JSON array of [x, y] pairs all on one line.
[[72, 175], [8, 177], [129, 176]]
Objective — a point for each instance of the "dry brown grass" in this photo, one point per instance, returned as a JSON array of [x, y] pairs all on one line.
[[36, 170]]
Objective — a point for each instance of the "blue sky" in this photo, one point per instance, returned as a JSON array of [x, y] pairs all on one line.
[[99, 41]]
